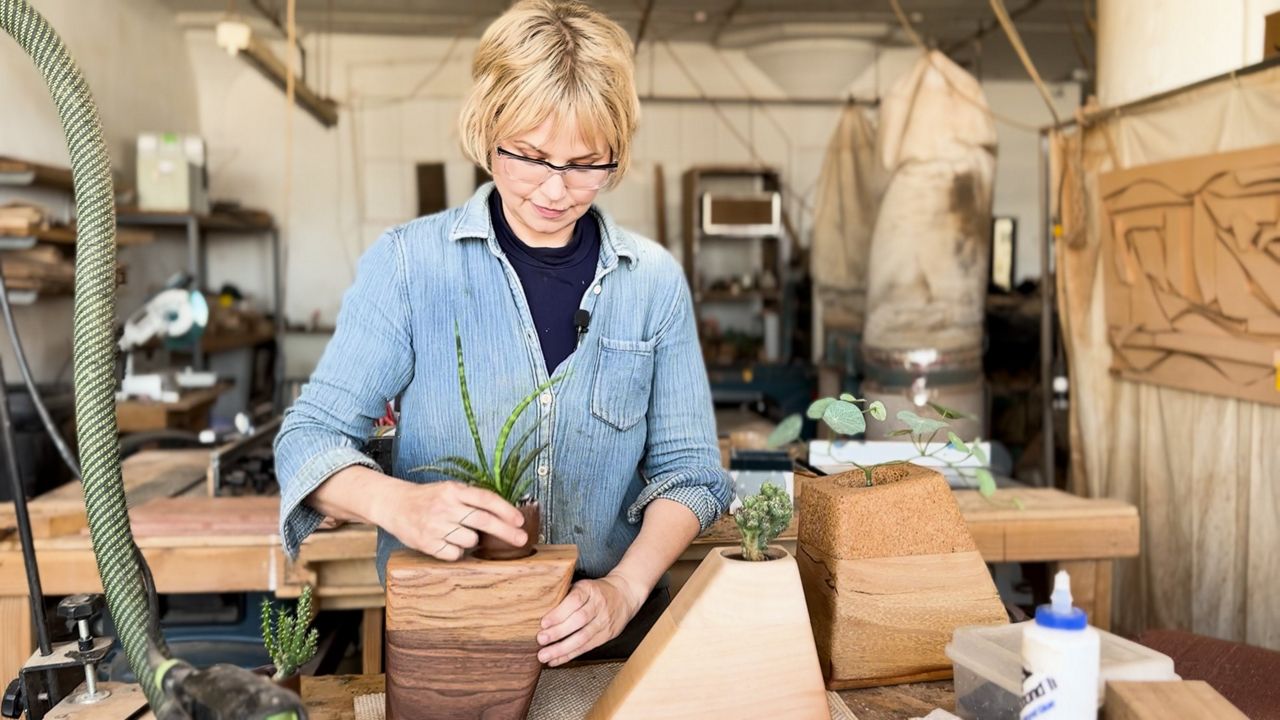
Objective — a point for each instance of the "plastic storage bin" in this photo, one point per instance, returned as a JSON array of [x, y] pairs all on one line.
[[988, 668]]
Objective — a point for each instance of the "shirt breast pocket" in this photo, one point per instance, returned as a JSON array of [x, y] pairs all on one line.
[[623, 381]]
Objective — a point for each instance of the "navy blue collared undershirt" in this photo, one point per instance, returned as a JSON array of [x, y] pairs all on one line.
[[554, 279]]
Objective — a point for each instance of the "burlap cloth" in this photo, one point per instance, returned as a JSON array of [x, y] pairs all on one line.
[[566, 694]]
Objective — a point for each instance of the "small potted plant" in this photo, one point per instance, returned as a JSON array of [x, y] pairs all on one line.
[[505, 472], [888, 564], [747, 610], [289, 639], [761, 519]]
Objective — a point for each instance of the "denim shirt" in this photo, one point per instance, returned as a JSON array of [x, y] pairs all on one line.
[[631, 422]]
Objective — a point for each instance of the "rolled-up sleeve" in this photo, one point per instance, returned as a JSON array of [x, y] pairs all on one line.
[[368, 362], [682, 457]]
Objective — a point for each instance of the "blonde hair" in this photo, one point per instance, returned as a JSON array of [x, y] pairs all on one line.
[[546, 59]]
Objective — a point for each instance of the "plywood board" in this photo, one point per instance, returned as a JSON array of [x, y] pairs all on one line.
[[1197, 240]]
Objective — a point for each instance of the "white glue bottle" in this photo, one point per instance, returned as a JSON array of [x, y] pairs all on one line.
[[1060, 659]]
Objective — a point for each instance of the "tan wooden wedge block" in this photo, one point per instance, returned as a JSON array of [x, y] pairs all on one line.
[[889, 571], [735, 643], [1185, 699], [462, 636]]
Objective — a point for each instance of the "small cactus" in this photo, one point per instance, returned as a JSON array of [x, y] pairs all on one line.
[[288, 640], [762, 518]]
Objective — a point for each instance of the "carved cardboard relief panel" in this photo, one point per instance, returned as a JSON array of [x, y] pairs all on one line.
[[1191, 252]]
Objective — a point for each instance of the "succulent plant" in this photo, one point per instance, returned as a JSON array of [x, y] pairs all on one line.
[[761, 519], [505, 472], [288, 638]]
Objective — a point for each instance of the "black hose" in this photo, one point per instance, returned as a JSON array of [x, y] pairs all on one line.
[[46, 419], [34, 589]]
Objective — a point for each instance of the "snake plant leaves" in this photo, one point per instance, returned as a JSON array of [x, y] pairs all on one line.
[[845, 418], [919, 425], [787, 432]]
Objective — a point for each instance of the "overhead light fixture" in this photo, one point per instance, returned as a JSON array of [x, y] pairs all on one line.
[[237, 38]]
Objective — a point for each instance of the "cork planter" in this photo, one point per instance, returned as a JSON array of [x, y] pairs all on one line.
[[735, 643], [889, 572], [462, 636]]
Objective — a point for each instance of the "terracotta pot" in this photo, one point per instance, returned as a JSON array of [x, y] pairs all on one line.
[[293, 682], [493, 548]]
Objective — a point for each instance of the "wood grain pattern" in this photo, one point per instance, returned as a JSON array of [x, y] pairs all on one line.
[[124, 703], [461, 637], [1185, 699], [881, 621], [889, 572], [371, 630], [16, 633], [186, 516], [734, 643]]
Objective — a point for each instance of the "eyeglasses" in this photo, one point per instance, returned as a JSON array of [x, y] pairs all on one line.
[[535, 172]]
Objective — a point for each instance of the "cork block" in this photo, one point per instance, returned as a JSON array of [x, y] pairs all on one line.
[[735, 643], [462, 636], [889, 572]]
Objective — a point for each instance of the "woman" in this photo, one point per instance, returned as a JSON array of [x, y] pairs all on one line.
[[632, 470]]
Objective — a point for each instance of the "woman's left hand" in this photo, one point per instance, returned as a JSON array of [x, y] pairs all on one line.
[[593, 613]]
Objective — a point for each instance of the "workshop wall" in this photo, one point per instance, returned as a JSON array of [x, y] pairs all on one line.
[[400, 98], [134, 57]]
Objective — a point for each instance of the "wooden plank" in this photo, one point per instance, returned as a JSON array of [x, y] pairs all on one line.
[[371, 627], [17, 638], [332, 697], [1032, 541], [197, 516], [900, 701], [125, 701], [1184, 699], [15, 171], [176, 570]]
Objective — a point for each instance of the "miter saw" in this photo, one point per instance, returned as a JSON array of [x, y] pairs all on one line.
[[178, 316]]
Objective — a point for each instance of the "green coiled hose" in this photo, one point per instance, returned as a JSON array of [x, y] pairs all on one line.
[[93, 342]]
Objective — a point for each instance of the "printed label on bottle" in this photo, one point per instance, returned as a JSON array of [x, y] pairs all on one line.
[[1039, 695]]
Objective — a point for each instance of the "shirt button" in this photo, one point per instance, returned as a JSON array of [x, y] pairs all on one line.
[[596, 290], [545, 399], [543, 470]]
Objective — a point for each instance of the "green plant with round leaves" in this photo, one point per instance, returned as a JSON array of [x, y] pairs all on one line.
[[506, 472], [288, 636], [844, 415], [761, 519]]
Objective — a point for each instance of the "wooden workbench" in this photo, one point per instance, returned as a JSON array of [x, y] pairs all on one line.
[[198, 544]]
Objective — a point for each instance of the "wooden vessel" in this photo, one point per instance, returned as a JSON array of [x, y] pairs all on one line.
[[889, 571], [735, 643], [462, 636]]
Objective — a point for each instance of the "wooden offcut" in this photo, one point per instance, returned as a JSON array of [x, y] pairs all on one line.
[[734, 643], [462, 636], [890, 571], [1184, 699]]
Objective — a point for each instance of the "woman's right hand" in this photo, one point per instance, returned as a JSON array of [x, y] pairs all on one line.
[[443, 519], [440, 519]]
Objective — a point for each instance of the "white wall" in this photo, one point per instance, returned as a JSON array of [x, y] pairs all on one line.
[[400, 98], [135, 60], [1149, 46]]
